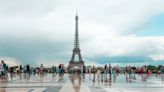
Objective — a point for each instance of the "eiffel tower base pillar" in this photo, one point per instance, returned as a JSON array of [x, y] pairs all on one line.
[[74, 67]]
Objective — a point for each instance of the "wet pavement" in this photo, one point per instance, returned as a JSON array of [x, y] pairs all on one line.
[[83, 83]]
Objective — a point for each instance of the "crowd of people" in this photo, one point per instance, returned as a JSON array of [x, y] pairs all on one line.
[[26, 71], [106, 73]]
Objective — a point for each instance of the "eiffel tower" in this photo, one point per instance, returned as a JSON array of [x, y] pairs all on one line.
[[76, 50]]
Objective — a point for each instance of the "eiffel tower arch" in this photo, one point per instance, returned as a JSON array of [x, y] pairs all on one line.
[[76, 51]]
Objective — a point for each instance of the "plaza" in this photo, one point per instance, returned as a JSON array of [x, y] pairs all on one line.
[[82, 83]]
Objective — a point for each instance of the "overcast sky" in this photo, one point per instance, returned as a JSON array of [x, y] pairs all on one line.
[[120, 32]]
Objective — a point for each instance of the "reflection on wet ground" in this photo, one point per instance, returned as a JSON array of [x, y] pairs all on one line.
[[84, 83]]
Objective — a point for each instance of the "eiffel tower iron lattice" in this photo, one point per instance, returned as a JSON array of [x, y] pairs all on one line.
[[76, 50]]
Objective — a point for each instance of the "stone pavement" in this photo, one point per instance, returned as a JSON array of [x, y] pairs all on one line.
[[87, 83]]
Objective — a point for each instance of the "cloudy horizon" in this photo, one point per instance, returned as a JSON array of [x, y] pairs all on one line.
[[121, 32]]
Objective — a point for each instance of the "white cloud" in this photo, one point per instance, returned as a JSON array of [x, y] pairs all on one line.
[[157, 57], [124, 46]]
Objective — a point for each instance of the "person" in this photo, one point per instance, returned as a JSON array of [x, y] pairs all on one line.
[[4, 70], [130, 72], [94, 72], [53, 71], [41, 70], [28, 71], [20, 71], [25, 71], [149, 73], [114, 73], [127, 72], [117, 71], [144, 70], [102, 76], [105, 72], [84, 71], [162, 73], [81, 69], [5, 67], [110, 70], [98, 74], [59, 67], [90, 71], [1, 71], [11, 72]]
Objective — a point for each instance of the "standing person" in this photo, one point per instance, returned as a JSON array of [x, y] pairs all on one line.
[[53, 71], [149, 73], [90, 71], [59, 70], [7, 71], [28, 71], [1, 71], [11, 72], [20, 71], [162, 73], [127, 72], [4, 70], [5, 67], [105, 72], [62, 69], [84, 72], [81, 70], [98, 74], [114, 73], [94, 72], [102, 75], [117, 70], [130, 72], [25, 71], [110, 70], [41, 70], [144, 73]]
